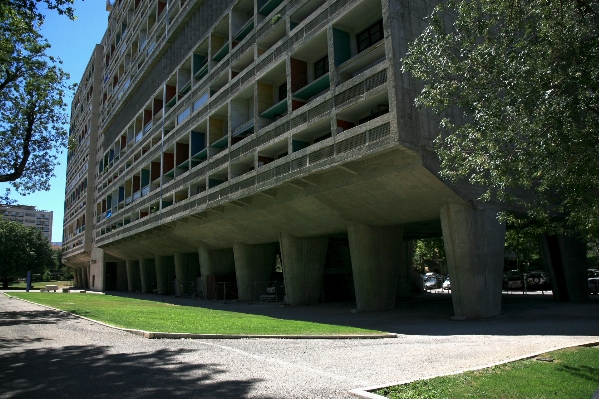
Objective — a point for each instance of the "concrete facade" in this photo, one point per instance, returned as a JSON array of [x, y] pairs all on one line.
[[228, 135], [29, 216]]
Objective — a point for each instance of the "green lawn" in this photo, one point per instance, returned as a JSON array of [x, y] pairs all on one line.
[[574, 373], [162, 317]]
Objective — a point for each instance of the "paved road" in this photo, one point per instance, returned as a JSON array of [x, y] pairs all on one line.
[[49, 354]]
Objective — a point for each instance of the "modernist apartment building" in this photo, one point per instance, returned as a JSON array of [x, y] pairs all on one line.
[[217, 137], [30, 217]]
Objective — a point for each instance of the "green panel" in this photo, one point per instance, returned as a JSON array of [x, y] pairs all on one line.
[[166, 204], [313, 88], [342, 47], [201, 72], [269, 6], [243, 32], [145, 177], [278, 109], [198, 62], [297, 145], [172, 101], [170, 173], [221, 143], [220, 54], [183, 165], [214, 182], [200, 155]]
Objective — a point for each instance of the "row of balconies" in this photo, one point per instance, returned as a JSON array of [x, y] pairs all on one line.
[[357, 142], [302, 128]]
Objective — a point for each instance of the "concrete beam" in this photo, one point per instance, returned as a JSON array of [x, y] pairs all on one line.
[[565, 257], [253, 265], [303, 266], [474, 245], [375, 256]]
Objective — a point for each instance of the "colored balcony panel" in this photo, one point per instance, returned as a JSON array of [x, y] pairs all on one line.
[[314, 87], [278, 109]]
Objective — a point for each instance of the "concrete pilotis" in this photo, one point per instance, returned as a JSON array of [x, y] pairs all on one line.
[[375, 255], [214, 262], [303, 261], [253, 265], [147, 271], [187, 267], [133, 277], [404, 281], [474, 246], [77, 277], [565, 257], [165, 273], [121, 276], [84, 279]]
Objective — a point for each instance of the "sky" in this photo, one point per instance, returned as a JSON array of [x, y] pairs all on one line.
[[73, 42]]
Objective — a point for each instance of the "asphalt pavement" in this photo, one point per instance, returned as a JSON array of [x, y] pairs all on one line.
[[50, 354]]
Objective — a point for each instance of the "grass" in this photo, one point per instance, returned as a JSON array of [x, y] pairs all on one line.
[[574, 373], [163, 317], [39, 284]]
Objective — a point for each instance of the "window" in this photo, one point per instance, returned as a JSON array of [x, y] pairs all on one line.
[[283, 91], [370, 35], [321, 67]]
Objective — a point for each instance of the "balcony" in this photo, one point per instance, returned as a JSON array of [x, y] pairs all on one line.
[[278, 109], [313, 88]]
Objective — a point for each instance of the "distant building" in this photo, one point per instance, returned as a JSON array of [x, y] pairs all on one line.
[[29, 216]]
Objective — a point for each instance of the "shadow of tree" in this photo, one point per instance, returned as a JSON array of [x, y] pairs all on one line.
[[585, 372], [94, 371], [11, 318]]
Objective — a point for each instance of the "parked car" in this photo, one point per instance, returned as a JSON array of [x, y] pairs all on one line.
[[537, 279], [432, 281], [512, 283], [594, 285], [592, 273], [447, 284]]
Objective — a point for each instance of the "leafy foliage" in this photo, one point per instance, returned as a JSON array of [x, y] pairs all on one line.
[[517, 82], [21, 249], [32, 87], [428, 250]]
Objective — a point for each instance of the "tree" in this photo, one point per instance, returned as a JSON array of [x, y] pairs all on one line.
[[33, 114], [22, 249], [428, 250], [517, 82]]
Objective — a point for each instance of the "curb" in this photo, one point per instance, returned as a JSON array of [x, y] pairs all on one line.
[[166, 335], [366, 393]]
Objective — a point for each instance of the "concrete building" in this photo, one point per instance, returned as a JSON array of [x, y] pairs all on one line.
[[30, 217], [221, 137]]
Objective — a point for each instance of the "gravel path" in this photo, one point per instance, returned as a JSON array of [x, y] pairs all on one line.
[[49, 354]]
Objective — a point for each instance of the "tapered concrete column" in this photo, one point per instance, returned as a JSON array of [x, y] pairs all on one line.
[[133, 277], [121, 276], [76, 278], [303, 267], [375, 256], [253, 265], [404, 281], [187, 267], [84, 277], [214, 262], [474, 246], [165, 273], [565, 257], [147, 271]]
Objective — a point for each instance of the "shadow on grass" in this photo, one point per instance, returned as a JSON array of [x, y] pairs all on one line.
[[427, 314], [585, 372], [93, 371]]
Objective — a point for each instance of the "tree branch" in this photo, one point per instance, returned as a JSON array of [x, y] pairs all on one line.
[[25, 152]]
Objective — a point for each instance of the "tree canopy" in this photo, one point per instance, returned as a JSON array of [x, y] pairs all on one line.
[[33, 114], [22, 248], [517, 82]]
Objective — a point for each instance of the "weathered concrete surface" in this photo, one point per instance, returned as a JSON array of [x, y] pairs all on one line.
[[187, 268], [165, 273], [376, 255], [253, 266], [133, 276], [147, 270], [474, 245], [215, 262], [46, 354], [565, 257], [303, 261]]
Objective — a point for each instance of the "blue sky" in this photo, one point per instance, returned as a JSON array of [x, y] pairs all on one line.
[[73, 42]]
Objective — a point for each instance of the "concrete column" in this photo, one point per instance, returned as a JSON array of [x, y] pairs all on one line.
[[165, 274], [214, 262], [147, 271], [404, 281], [121, 276], [303, 267], [565, 257], [187, 267], [375, 256], [474, 246], [133, 277], [84, 277], [253, 265], [75, 277]]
